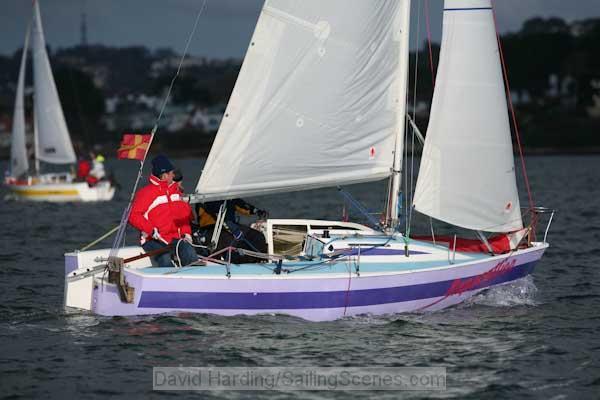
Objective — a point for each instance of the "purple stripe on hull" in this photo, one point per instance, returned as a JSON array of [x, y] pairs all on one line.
[[312, 300]]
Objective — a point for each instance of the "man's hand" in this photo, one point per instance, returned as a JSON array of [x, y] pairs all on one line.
[[188, 238], [156, 236]]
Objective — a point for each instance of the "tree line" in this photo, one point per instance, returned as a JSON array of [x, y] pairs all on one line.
[[553, 68]]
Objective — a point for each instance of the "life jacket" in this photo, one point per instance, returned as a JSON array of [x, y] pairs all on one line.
[[83, 169], [208, 212], [205, 219], [161, 206]]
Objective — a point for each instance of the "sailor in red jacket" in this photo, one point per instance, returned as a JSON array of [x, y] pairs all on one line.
[[163, 217]]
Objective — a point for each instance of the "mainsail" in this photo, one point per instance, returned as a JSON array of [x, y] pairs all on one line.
[[467, 174], [53, 141], [316, 100], [18, 150]]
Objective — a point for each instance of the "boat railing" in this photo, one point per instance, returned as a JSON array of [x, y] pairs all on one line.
[[537, 212], [223, 257], [453, 260], [60, 177]]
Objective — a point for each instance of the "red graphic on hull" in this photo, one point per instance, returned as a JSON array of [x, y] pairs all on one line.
[[462, 285]]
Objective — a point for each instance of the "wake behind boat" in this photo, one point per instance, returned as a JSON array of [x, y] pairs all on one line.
[[320, 101], [52, 143]]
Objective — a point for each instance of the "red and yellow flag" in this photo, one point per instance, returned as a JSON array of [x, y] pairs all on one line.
[[133, 146]]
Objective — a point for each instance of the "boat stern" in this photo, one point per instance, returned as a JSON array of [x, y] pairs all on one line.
[[83, 268]]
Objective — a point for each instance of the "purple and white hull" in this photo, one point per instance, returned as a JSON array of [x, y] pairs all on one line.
[[380, 286]]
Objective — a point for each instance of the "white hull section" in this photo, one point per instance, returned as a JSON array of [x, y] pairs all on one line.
[[63, 192]]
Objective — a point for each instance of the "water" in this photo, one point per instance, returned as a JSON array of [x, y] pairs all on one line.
[[538, 338]]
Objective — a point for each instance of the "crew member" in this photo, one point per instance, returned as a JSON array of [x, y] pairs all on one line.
[[83, 169], [163, 217], [233, 233], [98, 167]]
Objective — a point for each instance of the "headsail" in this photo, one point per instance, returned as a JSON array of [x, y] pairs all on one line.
[[315, 101], [53, 144], [19, 164], [467, 174]]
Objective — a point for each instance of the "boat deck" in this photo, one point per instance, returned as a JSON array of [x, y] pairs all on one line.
[[422, 255]]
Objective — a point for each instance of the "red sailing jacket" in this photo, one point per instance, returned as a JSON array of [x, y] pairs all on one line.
[[83, 169], [158, 205]]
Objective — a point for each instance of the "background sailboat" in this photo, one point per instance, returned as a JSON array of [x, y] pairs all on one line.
[[52, 143], [320, 101]]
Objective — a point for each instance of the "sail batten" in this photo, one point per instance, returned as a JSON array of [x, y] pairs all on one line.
[[467, 174], [315, 101], [53, 141]]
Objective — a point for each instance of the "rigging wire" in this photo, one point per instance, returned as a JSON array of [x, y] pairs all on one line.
[[187, 46], [427, 23], [514, 120], [353, 202], [410, 197], [120, 238]]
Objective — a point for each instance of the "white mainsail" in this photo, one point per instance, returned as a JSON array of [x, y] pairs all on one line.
[[53, 141], [467, 174], [316, 100], [19, 164]]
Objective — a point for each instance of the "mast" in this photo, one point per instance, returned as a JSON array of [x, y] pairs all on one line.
[[18, 151], [33, 103], [393, 204], [35, 139]]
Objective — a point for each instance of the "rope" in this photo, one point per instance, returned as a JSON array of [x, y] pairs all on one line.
[[187, 46], [429, 42], [177, 258], [347, 299], [120, 238], [514, 118], [101, 238]]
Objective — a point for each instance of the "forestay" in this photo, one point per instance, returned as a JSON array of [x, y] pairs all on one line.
[[19, 164], [315, 101], [467, 174], [53, 142]]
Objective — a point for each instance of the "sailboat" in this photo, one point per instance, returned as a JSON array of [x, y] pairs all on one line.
[[52, 143], [320, 101]]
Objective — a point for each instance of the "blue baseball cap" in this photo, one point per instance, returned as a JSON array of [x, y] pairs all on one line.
[[160, 165]]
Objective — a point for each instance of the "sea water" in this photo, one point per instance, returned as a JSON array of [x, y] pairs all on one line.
[[536, 338]]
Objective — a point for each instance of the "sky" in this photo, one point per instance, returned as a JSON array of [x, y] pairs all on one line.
[[225, 26]]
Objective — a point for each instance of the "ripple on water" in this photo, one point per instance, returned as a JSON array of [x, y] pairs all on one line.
[[536, 338]]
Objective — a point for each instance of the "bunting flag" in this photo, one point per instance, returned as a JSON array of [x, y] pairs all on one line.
[[133, 146]]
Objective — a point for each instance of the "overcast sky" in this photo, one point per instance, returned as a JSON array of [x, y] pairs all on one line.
[[225, 26]]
